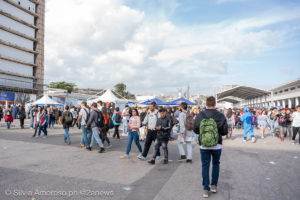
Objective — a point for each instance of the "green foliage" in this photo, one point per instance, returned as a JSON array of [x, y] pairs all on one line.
[[120, 89], [63, 85]]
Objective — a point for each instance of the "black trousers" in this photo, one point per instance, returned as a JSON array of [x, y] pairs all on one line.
[[116, 133], [164, 144], [22, 122], [295, 131], [151, 136], [104, 134]]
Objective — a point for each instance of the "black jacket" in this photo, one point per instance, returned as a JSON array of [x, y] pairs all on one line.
[[164, 132], [218, 117]]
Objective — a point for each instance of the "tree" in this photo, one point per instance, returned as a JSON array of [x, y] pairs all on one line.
[[120, 89], [63, 85]]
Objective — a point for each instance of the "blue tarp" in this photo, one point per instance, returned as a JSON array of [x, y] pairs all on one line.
[[158, 102], [180, 100]]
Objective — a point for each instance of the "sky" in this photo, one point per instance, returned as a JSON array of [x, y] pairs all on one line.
[[158, 46]]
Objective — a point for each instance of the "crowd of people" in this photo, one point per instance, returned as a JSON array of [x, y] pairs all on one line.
[[158, 125]]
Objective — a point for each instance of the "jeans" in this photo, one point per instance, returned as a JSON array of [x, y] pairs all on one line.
[[189, 148], [43, 128], [164, 144], [283, 131], [116, 133], [51, 122], [295, 131], [133, 135], [8, 124], [206, 158], [31, 122], [86, 135], [96, 137], [125, 126], [151, 136], [67, 137], [272, 126]]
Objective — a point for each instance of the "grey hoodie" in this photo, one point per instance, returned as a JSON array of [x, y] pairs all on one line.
[[93, 119], [151, 119]]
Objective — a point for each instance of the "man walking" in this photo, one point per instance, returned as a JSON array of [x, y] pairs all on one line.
[[210, 125], [150, 121]]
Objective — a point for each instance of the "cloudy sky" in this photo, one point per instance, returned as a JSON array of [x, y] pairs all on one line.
[[158, 46]]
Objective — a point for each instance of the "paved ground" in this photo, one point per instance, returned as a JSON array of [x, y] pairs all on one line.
[[33, 168]]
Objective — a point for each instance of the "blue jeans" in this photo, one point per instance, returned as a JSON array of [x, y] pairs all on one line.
[[51, 123], [125, 125], [133, 135], [8, 124], [67, 137], [272, 126], [206, 158], [86, 134], [31, 122], [43, 128], [96, 137]]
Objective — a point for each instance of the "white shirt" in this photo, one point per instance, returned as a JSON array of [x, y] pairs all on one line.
[[296, 119], [83, 113]]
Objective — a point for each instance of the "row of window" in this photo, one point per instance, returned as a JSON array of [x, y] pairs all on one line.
[[28, 6], [286, 90]]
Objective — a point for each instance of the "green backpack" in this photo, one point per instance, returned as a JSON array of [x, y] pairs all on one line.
[[209, 135]]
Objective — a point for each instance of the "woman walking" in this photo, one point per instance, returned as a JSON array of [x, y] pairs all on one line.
[[133, 125], [67, 120], [105, 128], [117, 118], [43, 123], [8, 116], [22, 116], [263, 122]]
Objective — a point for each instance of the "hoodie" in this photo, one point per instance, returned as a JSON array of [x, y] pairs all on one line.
[[92, 122]]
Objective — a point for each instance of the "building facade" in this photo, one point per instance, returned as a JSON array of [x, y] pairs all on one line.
[[22, 46]]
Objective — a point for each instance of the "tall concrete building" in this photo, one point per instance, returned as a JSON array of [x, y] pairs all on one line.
[[22, 46]]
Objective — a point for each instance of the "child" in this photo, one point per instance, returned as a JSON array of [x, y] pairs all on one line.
[[163, 126]]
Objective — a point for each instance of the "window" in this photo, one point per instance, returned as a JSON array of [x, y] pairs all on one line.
[[292, 88], [276, 92], [286, 90], [28, 8], [19, 2], [280, 91]]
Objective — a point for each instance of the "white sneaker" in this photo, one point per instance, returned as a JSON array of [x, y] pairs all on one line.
[[244, 140], [213, 188], [293, 142], [124, 156], [205, 193]]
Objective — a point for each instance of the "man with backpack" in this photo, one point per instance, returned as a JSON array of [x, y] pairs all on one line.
[[86, 131], [186, 133], [117, 119], [248, 128], [67, 120], [94, 122], [210, 125]]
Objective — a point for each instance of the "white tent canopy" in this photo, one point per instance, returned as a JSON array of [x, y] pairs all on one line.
[[46, 100], [109, 96]]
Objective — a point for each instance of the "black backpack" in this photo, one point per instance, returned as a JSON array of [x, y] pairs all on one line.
[[118, 118], [100, 119]]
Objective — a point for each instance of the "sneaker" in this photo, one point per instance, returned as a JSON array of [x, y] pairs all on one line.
[[140, 154], [182, 158], [189, 161], [68, 143], [152, 161], [262, 137], [244, 140], [293, 142], [37, 136], [102, 150], [253, 140], [166, 162], [89, 148], [45, 136], [205, 193], [109, 146], [213, 188], [157, 157], [142, 158], [124, 156]]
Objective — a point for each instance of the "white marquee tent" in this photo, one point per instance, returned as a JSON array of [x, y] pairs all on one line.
[[46, 100], [109, 96]]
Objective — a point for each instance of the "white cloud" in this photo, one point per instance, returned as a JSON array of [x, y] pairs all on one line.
[[100, 43]]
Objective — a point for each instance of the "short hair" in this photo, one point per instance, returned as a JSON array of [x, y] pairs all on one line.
[[211, 101], [100, 102], [94, 105], [153, 103], [84, 103], [162, 110], [298, 106], [67, 107], [117, 109], [126, 106], [183, 105]]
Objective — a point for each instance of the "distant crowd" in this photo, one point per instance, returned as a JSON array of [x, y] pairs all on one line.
[[158, 125]]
